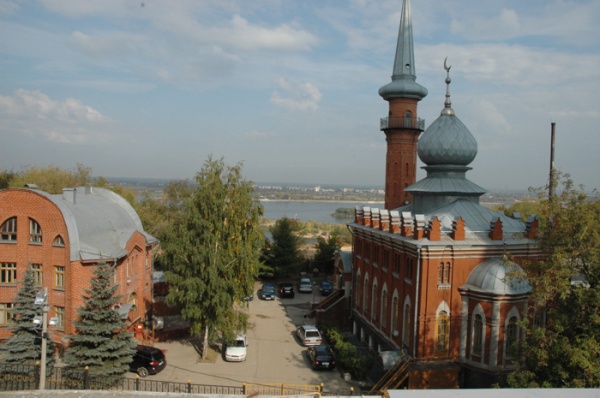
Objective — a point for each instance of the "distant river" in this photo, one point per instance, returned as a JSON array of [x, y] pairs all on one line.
[[310, 210]]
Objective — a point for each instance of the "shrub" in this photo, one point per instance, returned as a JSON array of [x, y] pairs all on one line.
[[348, 356]]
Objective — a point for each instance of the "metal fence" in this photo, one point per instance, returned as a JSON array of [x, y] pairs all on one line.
[[17, 377]]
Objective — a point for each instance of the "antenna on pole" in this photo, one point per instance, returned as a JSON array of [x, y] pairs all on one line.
[[551, 184]]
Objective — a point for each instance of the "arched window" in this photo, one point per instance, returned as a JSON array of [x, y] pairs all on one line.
[[394, 317], [366, 294], [9, 229], [357, 290], [408, 119], [58, 241], [477, 335], [133, 301], [35, 231], [442, 332], [374, 299], [406, 323], [384, 307], [511, 335]]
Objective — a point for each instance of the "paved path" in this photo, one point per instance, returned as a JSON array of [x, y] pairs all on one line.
[[274, 354]]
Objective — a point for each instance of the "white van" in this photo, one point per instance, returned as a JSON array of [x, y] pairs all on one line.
[[236, 352]]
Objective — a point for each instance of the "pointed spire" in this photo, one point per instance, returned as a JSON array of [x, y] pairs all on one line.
[[447, 103], [404, 63], [403, 83]]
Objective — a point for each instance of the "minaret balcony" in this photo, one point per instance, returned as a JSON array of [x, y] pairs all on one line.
[[413, 123]]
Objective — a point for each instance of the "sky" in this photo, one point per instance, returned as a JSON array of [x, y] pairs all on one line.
[[289, 88]]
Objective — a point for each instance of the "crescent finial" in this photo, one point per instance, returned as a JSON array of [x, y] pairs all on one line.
[[446, 65]]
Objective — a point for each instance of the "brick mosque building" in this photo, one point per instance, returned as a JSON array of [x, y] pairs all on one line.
[[435, 276], [63, 238]]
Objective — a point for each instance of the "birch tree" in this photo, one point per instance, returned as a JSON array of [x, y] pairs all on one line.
[[211, 258]]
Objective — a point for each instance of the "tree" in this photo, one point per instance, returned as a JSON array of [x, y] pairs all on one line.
[[282, 254], [6, 178], [326, 248], [24, 345], [562, 344], [101, 342], [211, 258], [53, 179]]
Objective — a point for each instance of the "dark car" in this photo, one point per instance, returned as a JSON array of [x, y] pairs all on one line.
[[326, 288], [286, 289], [268, 291], [147, 361], [321, 357]]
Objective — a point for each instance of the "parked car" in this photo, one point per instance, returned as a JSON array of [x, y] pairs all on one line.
[[236, 352], [286, 289], [309, 335], [321, 357], [147, 361], [305, 285], [268, 291], [326, 288]]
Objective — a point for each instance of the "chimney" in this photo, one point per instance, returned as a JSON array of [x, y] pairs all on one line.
[[70, 195], [434, 231], [496, 229], [458, 229], [367, 218], [375, 218], [359, 215], [407, 224], [384, 224], [419, 232], [394, 221]]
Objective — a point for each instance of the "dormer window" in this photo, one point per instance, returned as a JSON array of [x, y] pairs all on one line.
[[35, 231], [9, 229]]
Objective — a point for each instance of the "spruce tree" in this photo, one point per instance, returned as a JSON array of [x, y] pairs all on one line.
[[101, 342], [24, 346]]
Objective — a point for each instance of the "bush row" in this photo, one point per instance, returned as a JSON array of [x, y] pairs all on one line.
[[347, 355]]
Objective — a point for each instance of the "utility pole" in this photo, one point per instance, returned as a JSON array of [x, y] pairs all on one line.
[[551, 184]]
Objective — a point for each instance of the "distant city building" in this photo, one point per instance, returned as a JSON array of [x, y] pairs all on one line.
[[436, 275], [62, 238]]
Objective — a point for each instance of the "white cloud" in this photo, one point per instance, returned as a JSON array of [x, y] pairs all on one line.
[[299, 97], [35, 114]]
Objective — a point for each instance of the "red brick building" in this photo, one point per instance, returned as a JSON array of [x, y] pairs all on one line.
[[435, 274], [63, 238]]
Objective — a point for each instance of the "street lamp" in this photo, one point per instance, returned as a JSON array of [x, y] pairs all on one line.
[[42, 299]]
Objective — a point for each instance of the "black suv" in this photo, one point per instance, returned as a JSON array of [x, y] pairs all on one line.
[[147, 361], [286, 289]]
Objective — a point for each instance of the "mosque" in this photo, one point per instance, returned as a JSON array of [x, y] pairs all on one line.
[[435, 276]]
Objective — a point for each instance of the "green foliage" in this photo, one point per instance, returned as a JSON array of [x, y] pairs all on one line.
[[101, 342], [347, 355], [212, 253], [53, 179], [24, 345], [6, 178], [565, 350], [282, 254], [326, 248]]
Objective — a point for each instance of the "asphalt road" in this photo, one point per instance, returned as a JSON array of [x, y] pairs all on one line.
[[274, 353]]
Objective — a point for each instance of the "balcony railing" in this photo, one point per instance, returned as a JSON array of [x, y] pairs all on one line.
[[415, 123]]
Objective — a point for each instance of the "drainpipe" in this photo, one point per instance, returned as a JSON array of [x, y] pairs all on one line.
[[417, 300]]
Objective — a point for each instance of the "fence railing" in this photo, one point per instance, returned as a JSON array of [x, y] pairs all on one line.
[[415, 123], [17, 377]]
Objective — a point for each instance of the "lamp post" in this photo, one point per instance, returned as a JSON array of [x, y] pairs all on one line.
[[42, 299]]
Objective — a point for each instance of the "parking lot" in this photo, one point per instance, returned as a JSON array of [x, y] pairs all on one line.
[[274, 354]]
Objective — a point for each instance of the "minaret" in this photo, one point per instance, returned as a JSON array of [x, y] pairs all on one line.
[[402, 127]]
